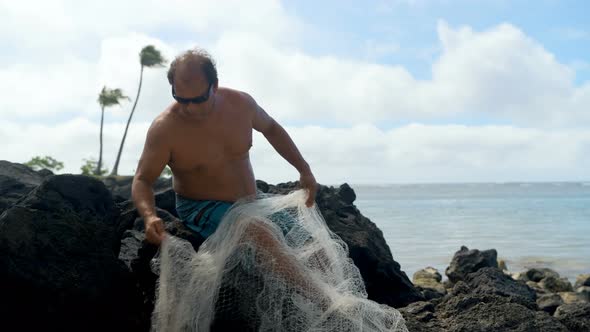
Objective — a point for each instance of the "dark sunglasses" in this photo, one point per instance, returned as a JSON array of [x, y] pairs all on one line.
[[195, 100]]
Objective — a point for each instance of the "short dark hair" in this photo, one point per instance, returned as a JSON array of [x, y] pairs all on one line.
[[196, 56]]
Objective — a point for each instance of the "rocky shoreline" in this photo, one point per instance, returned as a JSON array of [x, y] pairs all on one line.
[[73, 256], [480, 294]]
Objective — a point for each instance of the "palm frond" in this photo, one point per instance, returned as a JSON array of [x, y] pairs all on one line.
[[151, 57], [109, 97]]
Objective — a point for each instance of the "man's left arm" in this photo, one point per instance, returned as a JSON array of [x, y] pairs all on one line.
[[278, 137]]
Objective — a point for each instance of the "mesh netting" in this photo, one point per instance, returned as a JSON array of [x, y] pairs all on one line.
[[272, 265]]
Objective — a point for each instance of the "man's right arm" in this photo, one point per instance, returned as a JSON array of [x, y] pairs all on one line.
[[155, 156]]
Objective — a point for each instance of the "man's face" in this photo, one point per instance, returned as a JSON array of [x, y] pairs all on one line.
[[191, 96]]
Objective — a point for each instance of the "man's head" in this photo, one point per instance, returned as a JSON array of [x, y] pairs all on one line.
[[193, 77]]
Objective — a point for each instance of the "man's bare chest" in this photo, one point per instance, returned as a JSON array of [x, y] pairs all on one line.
[[210, 147]]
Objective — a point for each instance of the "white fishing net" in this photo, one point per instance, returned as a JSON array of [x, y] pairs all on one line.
[[272, 265]]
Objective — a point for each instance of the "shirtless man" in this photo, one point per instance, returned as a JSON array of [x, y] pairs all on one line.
[[205, 138]]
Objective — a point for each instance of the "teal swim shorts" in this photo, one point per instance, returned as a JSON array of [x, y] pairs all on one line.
[[204, 216], [201, 216]]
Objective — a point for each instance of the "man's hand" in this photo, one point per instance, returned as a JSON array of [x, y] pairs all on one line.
[[154, 230], [307, 182]]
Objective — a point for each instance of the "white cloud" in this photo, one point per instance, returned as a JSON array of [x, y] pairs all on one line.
[[55, 23], [65, 79], [503, 72], [71, 142], [445, 153], [30, 91], [358, 154], [499, 73]]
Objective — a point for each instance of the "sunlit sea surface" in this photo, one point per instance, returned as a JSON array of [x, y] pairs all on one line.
[[529, 224]]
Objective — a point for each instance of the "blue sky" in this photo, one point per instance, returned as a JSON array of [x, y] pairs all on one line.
[[562, 27], [371, 92]]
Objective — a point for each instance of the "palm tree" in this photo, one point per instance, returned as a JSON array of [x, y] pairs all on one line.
[[148, 57], [107, 98]]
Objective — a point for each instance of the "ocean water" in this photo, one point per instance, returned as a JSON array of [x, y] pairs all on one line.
[[529, 224]]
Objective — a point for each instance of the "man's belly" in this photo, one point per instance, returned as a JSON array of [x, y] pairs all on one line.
[[228, 182]]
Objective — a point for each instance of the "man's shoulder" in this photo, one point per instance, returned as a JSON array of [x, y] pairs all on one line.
[[162, 118], [168, 116], [236, 96], [161, 121]]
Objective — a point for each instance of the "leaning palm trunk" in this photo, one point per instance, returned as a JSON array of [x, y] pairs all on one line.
[[99, 165], [116, 167]]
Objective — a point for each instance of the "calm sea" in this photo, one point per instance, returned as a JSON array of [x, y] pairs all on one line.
[[529, 224]]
